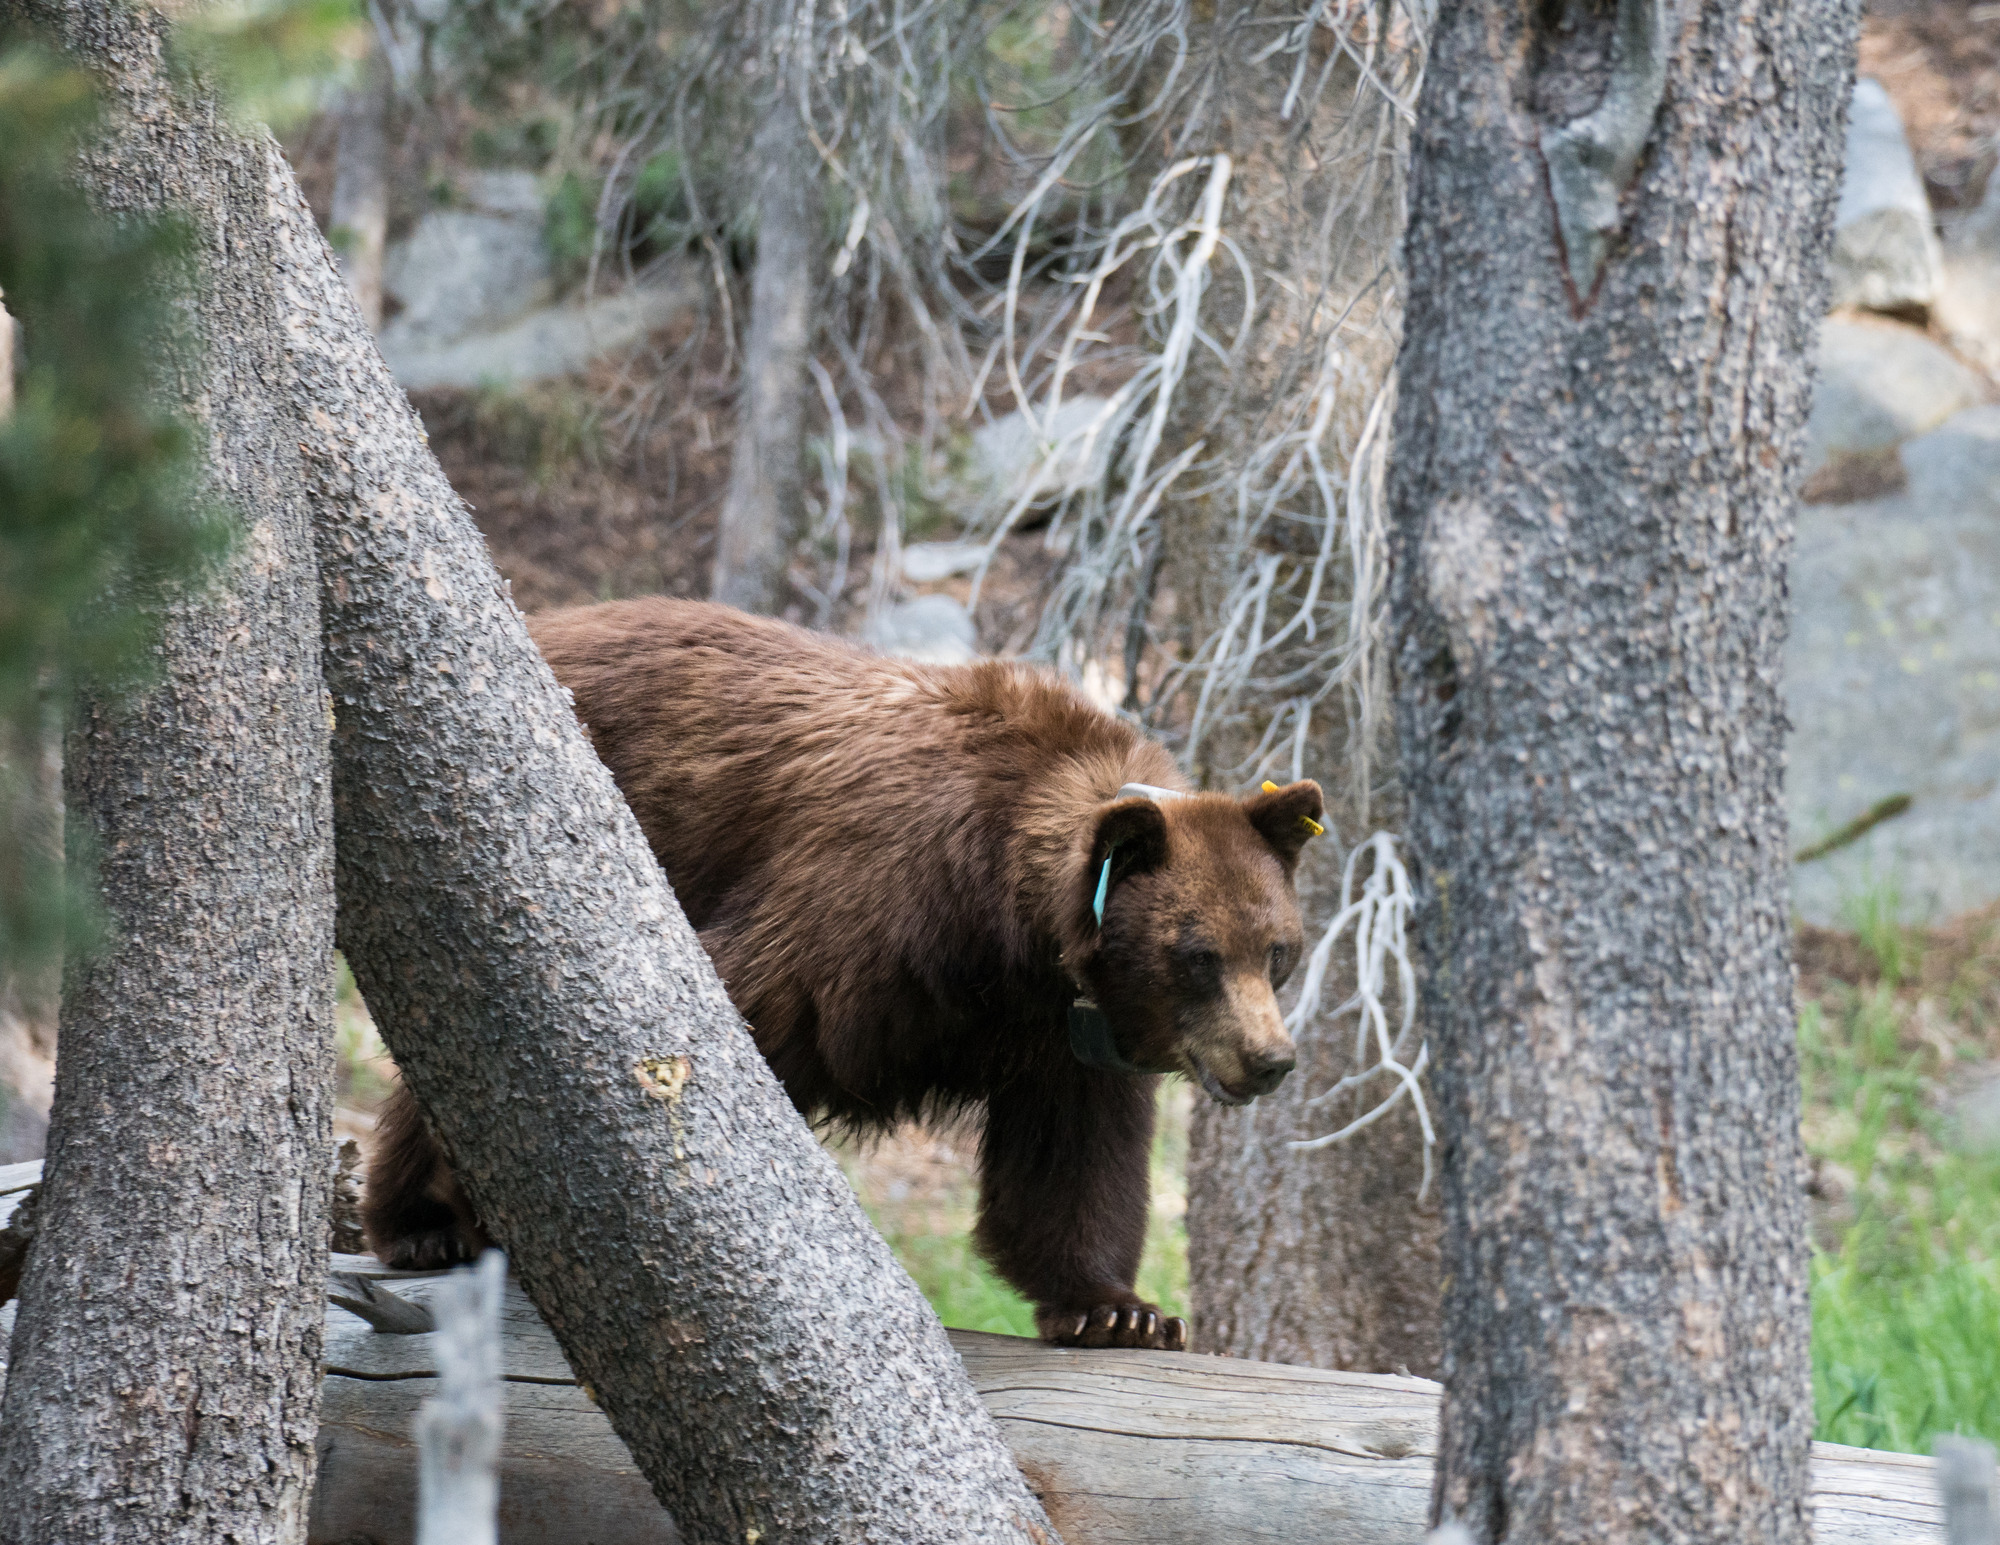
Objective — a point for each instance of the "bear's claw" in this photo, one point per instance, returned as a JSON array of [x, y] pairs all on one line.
[[431, 1250], [1114, 1325]]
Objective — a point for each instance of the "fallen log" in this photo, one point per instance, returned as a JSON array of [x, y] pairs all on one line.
[[1122, 1448]]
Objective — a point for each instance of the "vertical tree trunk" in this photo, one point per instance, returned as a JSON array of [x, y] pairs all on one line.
[[358, 223], [763, 515], [1324, 1258], [165, 1378], [1618, 230]]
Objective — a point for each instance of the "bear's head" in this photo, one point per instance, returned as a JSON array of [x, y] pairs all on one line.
[[1199, 929]]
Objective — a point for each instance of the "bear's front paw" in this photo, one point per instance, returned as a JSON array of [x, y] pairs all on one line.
[[1113, 1325], [430, 1250]]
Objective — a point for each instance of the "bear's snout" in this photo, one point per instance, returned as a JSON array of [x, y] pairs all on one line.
[[1265, 1070], [1238, 1050]]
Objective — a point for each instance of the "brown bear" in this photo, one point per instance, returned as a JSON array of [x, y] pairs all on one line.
[[933, 890]]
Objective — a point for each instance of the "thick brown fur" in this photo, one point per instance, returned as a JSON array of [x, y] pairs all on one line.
[[892, 866]]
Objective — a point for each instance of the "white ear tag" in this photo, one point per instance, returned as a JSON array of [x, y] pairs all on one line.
[[1150, 791]]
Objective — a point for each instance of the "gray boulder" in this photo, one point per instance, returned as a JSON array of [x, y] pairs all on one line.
[[1015, 459], [925, 563], [463, 271], [933, 628], [546, 343], [515, 195], [1893, 680], [1885, 251], [1880, 383], [1968, 304], [476, 291]]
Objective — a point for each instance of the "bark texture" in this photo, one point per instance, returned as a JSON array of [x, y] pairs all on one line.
[[764, 513], [698, 1255], [165, 1382], [1323, 1258], [1592, 505]]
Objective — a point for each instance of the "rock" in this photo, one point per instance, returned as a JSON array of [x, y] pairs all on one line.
[[925, 563], [1885, 252], [27, 1082], [461, 272], [475, 286], [554, 341], [934, 628], [1893, 680], [1880, 383], [1013, 459], [511, 194], [1968, 303]]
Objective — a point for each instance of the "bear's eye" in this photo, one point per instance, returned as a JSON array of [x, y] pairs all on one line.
[[1199, 968], [1281, 964]]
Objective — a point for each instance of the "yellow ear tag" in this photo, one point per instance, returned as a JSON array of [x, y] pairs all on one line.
[[1305, 820]]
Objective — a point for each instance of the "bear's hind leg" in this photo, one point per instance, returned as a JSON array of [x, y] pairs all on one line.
[[412, 1210], [1064, 1193]]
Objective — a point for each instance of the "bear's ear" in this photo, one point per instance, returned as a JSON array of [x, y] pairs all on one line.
[[1287, 817], [1132, 834]]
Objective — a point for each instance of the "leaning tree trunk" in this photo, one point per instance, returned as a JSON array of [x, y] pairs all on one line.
[[1603, 389], [1327, 1257], [698, 1255], [763, 515], [165, 1378]]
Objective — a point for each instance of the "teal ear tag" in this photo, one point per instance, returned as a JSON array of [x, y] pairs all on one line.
[[1103, 888]]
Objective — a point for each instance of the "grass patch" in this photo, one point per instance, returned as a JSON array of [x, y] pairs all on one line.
[[929, 1224], [1896, 1362], [1906, 1206]]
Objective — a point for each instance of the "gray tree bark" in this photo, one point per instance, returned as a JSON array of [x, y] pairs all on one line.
[[1597, 451], [165, 1375], [1323, 1258], [763, 515], [358, 223]]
